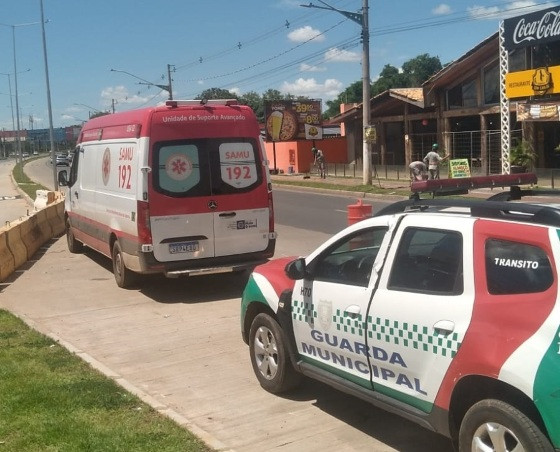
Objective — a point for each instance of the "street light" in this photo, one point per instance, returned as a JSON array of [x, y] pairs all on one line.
[[167, 87], [13, 27], [360, 19]]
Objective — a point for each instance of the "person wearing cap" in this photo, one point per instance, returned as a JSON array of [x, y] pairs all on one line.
[[433, 159]]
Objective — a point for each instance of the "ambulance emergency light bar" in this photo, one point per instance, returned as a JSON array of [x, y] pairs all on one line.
[[463, 184], [194, 102]]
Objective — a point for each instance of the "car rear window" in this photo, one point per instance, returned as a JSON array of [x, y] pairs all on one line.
[[515, 268], [206, 167]]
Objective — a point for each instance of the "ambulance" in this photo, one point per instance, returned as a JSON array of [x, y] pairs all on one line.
[[178, 189]]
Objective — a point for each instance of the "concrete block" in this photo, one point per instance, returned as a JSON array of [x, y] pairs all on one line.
[[15, 245], [7, 261], [56, 223], [33, 235]]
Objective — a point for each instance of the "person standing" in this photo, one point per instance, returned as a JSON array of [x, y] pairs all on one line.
[[433, 160], [320, 162]]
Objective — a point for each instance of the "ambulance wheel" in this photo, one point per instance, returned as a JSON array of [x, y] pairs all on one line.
[[123, 276], [74, 246], [269, 356], [495, 425]]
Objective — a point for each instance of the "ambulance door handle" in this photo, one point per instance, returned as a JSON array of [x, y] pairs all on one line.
[[76, 194], [444, 327], [227, 215]]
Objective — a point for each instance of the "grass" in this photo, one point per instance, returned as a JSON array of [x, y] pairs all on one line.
[[27, 185], [53, 401], [374, 189]]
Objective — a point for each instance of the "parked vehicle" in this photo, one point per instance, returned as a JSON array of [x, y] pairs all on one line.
[[180, 189], [443, 311]]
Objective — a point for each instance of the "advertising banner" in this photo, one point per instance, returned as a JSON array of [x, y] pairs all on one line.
[[537, 112], [288, 120], [532, 29], [533, 82]]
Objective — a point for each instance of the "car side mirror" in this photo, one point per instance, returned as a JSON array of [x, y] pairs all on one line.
[[62, 178], [296, 269]]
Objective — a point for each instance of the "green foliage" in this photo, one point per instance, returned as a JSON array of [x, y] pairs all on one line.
[[216, 93], [521, 154], [27, 185], [52, 400]]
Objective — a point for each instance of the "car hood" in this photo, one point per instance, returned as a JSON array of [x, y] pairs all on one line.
[[273, 272]]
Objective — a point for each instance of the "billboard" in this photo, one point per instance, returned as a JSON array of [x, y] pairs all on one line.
[[289, 120], [532, 29]]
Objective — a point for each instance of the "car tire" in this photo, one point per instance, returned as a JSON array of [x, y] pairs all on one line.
[[269, 356], [124, 277], [74, 245], [495, 425]]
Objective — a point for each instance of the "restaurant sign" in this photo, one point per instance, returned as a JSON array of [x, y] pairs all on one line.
[[532, 29], [533, 82]]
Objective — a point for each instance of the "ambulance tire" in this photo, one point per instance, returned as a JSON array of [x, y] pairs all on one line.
[[495, 425], [74, 246], [124, 277], [269, 356]]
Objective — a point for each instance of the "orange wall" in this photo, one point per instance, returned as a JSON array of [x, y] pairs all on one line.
[[298, 155]]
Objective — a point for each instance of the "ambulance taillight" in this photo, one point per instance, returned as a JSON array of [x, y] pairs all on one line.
[[144, 231]]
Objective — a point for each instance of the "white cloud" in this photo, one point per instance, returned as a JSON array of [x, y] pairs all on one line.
[[235, 90], [121, 95], [308, 68], [516, 8], [441, 10], [337, 55], [310, 87], [304, 34]]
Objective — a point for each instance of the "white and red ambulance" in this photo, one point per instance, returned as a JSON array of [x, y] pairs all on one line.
[[179, 189]]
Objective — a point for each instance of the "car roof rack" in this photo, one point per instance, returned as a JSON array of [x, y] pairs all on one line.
[[461, 185], [501, 210]]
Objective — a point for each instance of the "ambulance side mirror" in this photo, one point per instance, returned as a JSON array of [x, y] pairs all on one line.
[[62, 178]]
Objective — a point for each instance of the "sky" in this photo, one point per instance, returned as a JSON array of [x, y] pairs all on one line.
[[110, 55]]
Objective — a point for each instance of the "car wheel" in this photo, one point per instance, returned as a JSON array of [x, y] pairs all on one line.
[[74, 246], [493, 425], [269, 356], [123, 276]]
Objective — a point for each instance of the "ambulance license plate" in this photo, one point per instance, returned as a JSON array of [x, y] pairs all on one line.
[[183, 247]]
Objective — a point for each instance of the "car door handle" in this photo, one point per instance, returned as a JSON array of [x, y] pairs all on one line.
[[444, 327], [227, 215], [353, 311]]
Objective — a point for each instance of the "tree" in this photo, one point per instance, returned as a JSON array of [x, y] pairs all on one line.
[[389, 77], [255, 101], [352, 94], [420, 69], [216, 93]]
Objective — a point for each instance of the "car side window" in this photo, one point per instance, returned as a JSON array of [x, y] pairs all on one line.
[[515, 268], [428, 261], [350, 260]]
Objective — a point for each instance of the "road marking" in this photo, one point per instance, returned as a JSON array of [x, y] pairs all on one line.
[[8, 198]]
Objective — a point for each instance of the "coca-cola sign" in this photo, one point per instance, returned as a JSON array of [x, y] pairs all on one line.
[[532, 29]]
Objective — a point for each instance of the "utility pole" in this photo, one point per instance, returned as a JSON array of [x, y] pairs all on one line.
[[360, 19]]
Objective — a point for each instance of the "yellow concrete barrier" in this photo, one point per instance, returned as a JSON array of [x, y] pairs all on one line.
[[33, 234], [7, 261], [15, 244], [55, 221]]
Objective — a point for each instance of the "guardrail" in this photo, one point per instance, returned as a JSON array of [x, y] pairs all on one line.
[[21, 239]]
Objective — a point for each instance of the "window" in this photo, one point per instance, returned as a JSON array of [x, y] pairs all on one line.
[[350, 260], [513, 268], [492, 85], [428, 261], [206, 167], [462, 96]]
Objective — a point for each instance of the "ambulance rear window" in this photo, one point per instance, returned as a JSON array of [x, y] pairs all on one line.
[[205, 167]]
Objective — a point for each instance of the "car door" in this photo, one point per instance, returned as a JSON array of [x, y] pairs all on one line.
[[422, 308], [329, 306]]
